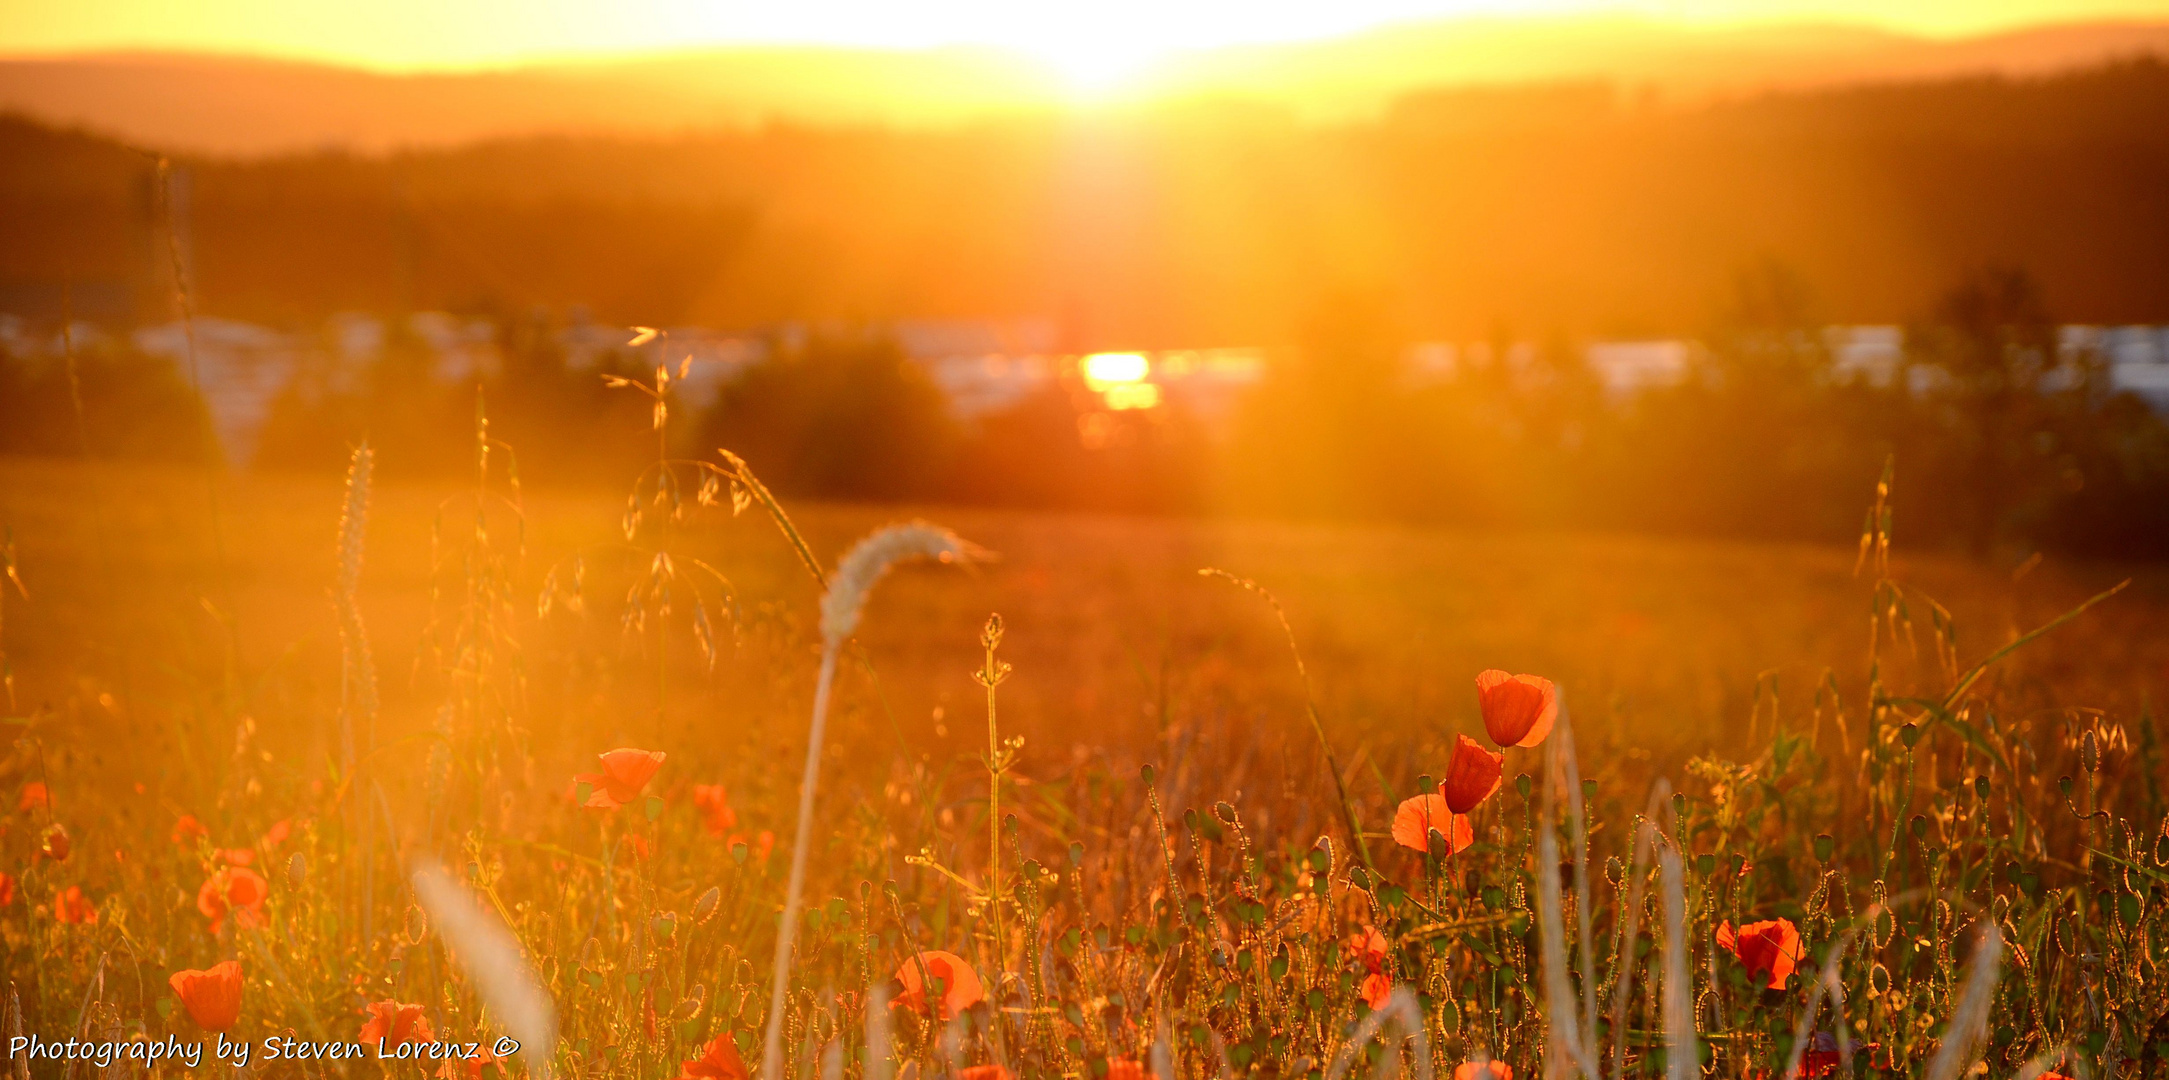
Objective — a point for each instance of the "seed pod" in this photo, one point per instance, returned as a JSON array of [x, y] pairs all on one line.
[[1825, 846], [417, 924], [2090, 752], [1909, 735]]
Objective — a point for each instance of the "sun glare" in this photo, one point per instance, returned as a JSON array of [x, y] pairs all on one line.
[[1102, 370], [1119, 379]]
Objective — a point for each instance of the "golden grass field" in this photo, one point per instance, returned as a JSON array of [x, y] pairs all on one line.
[[162, 668]]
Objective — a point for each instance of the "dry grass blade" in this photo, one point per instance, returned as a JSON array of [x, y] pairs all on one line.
[[493, 958], [1969, 1021], [1679, 1026]]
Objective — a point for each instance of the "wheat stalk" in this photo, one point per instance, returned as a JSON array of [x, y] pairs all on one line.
[[841, 606]]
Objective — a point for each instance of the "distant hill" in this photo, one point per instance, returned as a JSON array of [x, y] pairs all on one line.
[[227, 105], [1551, 208]]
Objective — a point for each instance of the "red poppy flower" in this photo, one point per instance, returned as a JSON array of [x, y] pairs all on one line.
[[1771, 947], [960, 987], [7, 889], [625, 773], [1518, 709], [1484, 1070], [1471, 776], [1417, 818], [71, 906], [984, 1072], [1377, 990], [278, 833], [239, 856], [396, 1024], [1125, 1069], [34, 795], [54, 843], [188, 830], [719, 1060], [1369, 946], [236, 889], [1821, 1058], [714, 805], [212, 998]]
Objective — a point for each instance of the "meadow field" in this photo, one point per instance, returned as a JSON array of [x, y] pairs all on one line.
[[251, 720]]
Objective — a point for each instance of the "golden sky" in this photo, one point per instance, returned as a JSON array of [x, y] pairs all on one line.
[[1089, 41]]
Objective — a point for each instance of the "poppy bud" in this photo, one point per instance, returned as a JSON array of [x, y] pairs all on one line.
[[297, 870], [1147, 773], [1909, 735], [704, 908], [2090, 752]]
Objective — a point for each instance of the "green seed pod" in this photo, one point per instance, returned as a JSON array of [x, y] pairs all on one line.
[[1825, 846], [1524, 785], [1909, 735], [1076, 853], [1980, 787]]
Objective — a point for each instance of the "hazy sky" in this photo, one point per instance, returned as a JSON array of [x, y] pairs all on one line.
[[1087, 39]]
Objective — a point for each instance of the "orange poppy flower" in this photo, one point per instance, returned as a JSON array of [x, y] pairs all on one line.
[[71, 906], [1125, 1069], [960, 987], [188, 830], [396, 1024], [1518, 709], [625, 774], [714, 805], [1770, 947], [719, 1060], [985, 1072], [34, 795], [1484, 1070], [235, 889], [278, 833], [212, 998], [1471, 776], [1417, 818], [1377, 990], [238, 856]]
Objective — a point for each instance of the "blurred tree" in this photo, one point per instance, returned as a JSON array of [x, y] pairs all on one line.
[[845, 415]]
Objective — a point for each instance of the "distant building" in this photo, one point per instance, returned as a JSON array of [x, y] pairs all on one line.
[[1626, 368], [1869, 355], [239, 369], [2138, 361]]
